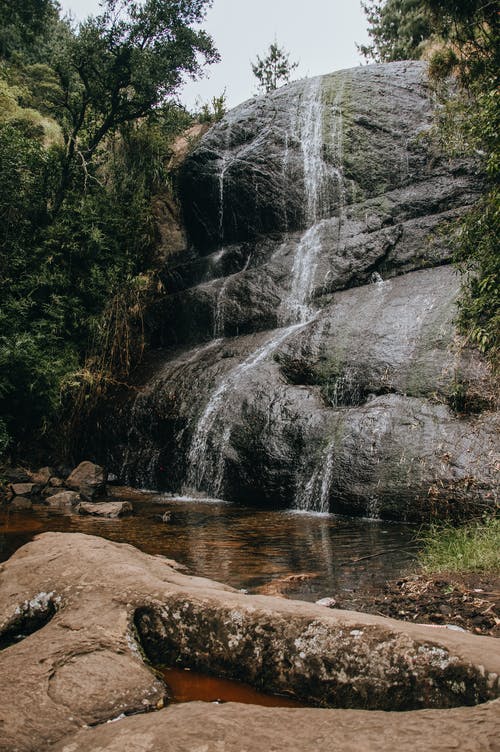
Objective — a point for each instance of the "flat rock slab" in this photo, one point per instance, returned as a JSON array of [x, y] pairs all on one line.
[[204, 727], [93, 610], [105, 509]]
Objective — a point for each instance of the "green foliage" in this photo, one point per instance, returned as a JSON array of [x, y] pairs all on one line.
[[273, 70], [86, 128], [479, 259], [212, 112], [471, 50], [24, 26], [4, 437], [473, 547], [398, 28]]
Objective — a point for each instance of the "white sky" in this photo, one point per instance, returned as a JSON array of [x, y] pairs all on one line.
[[320, 34]]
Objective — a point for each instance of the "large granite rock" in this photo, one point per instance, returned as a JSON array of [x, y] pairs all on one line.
[[316, 363], [351, 413], [249, 176], [88, 479], [92, 611]]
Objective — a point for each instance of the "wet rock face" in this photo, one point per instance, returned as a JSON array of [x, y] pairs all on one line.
[[316, 363], [249, 176]]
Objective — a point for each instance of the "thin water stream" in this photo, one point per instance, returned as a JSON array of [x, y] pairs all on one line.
[[212, 431], [304, 556]]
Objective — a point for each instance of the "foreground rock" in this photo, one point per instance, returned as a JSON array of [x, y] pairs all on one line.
[[92, 609], [243, 728], [105, 509]]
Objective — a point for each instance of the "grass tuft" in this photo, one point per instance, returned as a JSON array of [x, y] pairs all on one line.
[[474, 547]]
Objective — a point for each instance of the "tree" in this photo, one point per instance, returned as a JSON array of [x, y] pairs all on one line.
[[24, 24], [275, 69], [86, 124], [398, 28], [470, 49], [120, 66]]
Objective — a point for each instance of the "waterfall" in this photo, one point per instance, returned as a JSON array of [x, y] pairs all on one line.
[[219, 322], [200, 470], [314, 496], [211, 436], [319, 180]]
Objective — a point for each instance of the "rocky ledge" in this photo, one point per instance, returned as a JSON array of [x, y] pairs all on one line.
[[82, 619]]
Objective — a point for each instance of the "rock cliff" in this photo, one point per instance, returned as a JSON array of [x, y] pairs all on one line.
[[309, 354]]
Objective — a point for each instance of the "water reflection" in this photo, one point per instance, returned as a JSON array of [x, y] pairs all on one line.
[[304, 556]]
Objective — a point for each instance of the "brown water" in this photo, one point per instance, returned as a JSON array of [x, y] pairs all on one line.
[[187, 686], [304, 556]]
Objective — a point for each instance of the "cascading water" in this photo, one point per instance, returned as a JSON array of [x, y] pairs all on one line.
[[201, 471], [319, 181], [205, 459]]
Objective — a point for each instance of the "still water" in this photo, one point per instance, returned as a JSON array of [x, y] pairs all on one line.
[[300, 555]]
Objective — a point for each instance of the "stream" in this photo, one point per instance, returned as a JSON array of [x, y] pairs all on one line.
[[301, 555]]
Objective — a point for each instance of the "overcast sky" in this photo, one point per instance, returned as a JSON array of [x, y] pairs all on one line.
[[320, 34]]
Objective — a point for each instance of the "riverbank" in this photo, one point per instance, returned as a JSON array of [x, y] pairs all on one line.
[[467, 601], [361, 565], [456, 584]]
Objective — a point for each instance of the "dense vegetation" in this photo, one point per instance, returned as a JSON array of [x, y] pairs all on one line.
[[87, 115], [459, 37]]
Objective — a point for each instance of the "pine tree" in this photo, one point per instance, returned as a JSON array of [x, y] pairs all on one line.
[[275, 69]]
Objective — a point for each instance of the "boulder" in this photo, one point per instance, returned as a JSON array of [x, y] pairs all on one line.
[[25, 489], [56, 482], [95, 611], [20, 503], [88, 479], [105, 509], [42, 476], [64, 499]]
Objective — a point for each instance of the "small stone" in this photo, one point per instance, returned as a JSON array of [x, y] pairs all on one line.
[[56, 482], [88, 479], [105, 509], [328, 602], [64, 499]]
